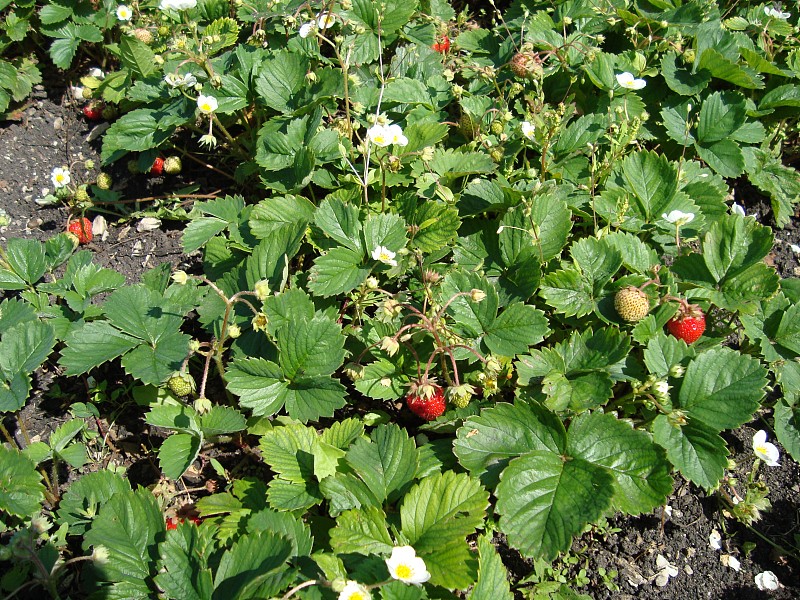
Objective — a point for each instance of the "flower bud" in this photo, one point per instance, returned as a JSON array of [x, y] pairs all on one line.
[[390, 345], [262, 290], [234, 331], [180, 277]]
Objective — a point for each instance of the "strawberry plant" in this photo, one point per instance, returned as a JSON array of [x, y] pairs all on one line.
[[470, 276]]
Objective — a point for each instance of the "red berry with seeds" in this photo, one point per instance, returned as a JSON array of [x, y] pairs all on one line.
[[426, 400], [82, 229], [689, 324], [93, 111], [442, 46], [158, 166]]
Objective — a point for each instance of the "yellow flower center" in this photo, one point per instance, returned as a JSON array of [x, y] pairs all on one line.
[[356, 596], [403, 571], [205, 107]]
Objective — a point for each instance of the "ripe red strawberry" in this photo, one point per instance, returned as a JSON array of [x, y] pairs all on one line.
[[93, 111], [82, 229], [158, 166], [689, 324], [172, 522], [426, 399], [442, 46]]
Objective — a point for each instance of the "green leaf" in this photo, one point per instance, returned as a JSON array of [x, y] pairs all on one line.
[[361, 531], [177, 453], [517, 328], [387, 463], [287, 306], [309, 399], [275, 214], [221, 420], [544, 500], [552, 216], [637, 256], [310, 348], [725, 157], [681, 80], [450, 163], [289, 451], [733, 244], [197, 233], [286, 525], [339, 271], [641, 474], [154, 364], [127, 525], [92, 345], [141, 312], [723, 68], [492, 575], [386, 229], [473, 318], [664, 352], [695, 449], [83, 499], [568, 292], [783, 95], [721, 114], [258, 383], [340, 221], [436, 515], [787, 427], [280, 80], [731, 396], [184, 569], [435, 226], [252, 560], [27, 259], [24, 347], [485, 443], [135, 131], [381, 380], [137, 57], [21, 489]]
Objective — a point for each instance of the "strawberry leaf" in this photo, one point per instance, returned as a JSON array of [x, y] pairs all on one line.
[[361, 531], [387, 463], [492, 575], [127, 525], [695, 449], [21, 489], [436, 515]]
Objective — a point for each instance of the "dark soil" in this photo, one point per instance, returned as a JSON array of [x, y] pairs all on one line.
[[51, 133]]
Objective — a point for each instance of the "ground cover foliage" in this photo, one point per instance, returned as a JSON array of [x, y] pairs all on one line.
[[408, 314]]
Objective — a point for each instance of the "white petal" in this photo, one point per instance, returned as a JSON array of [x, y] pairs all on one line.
[[715, 540], [767, 580]]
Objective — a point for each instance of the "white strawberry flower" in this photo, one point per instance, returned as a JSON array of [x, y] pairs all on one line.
[[207, 104], [177, 4], [528, 129], [386, 134], [124, 13], [677, 217], [60, 177], [384, 255], [354, 591], [175, 80], [776, 13], [628, 81], [306, 29], [404, 565], [765, 450], [326, 20]]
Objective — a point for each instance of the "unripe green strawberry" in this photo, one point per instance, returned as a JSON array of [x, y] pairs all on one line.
[[181, 384], [631, 304], [467, 126], [87, 93], [496, 154], [104, 181], [82, 194], [109, 113], [143, 35], [164, 31], [133, 167], [497, 127], [172, 165], [526, 64]]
